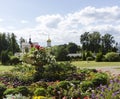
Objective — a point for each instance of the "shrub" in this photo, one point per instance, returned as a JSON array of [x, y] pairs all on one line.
[[99, 57], [50, 90], [100, 78], [112, 57], [10, 91], [64, 84], [89, 59], [14, 60], [85, 85], [58, 71], [40, 92], [89, 54], [2, 89], [23, 90]]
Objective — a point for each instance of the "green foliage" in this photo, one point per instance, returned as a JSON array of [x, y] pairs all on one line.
[[89, 54], [72, 47], [85, 85], [23, 90], [10, 91], [40, 92], [100, 78], [39, 57], [2, 89], [99, 57], [112, 57], [62, 53], [89, 59], [94, 42], [58, 71], [26, 69], [5, 57], [8, 42], [83, 56], [50, 90], [14, 60], [64, 84]]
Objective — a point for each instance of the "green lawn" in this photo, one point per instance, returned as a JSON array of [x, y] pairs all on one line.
[[5, 68], [93, 63]]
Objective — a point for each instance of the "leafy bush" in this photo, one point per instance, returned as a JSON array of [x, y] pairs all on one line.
[[40, 92], [23, 90], [58, 71], [10, 91], [2, 89], [89, 54], [50, 90], [86, 85], [38, 56], [89, 59], [112, 57], [14, 60], [64, 84], [99, 57], [100, 78]]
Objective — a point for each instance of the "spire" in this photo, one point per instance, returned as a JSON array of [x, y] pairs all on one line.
[[49, 42], [30, 40]]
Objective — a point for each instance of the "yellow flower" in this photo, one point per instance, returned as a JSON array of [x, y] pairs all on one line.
[[39, 97]]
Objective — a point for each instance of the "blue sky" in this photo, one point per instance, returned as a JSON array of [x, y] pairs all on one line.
[[63, 20]]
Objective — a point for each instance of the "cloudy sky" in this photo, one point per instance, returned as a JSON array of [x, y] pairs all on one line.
[[63, 20]]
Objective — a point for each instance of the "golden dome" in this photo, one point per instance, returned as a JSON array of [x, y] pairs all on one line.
[[49, 40]]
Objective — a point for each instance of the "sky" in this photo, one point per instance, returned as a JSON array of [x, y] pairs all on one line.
[[63, 21]]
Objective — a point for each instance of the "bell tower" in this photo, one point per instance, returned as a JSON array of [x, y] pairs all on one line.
[[49, 42]]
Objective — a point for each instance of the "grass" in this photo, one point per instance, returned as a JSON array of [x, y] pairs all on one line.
[[94, 64], [5, 67]]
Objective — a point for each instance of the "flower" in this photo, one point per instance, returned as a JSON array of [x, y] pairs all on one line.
[[86, 97]]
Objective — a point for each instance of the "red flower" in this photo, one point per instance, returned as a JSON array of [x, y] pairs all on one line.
[[86, 97]]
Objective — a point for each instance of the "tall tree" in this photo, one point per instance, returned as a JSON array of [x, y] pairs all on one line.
[[95, 39], [84, 40], [107, 43], [14, 44]]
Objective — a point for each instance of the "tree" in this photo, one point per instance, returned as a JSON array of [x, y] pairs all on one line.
[[84, 40], [62, 53], [4, 57], [94, 39], [72, 47], [14, 44], [107, 43]]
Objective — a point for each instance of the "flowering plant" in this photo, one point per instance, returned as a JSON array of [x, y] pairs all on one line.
[[39, 56]]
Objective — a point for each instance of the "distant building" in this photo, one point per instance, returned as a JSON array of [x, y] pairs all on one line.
[[49, 42], [74, 55], [27, 45]]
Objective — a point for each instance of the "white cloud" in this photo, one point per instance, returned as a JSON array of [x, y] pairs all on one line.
[[23, 21], [69, 27], [1, 20]]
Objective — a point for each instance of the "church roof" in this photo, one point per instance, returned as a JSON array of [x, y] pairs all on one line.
[[49, 40]]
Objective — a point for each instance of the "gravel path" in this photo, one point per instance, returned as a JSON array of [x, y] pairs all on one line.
[[112, 69]]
